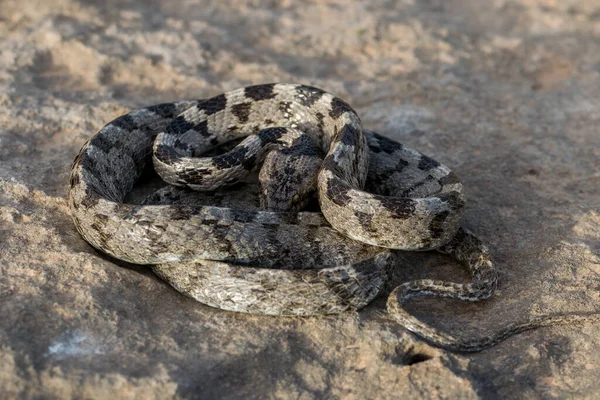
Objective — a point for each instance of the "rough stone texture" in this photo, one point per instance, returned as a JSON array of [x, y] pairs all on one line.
[[504, 92]]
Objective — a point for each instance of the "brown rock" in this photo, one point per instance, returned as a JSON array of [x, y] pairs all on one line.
[[505, 93]]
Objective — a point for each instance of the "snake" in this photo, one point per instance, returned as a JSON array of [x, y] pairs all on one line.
[[374, 197]]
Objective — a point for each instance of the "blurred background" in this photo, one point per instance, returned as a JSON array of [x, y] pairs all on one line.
[[503, 92]]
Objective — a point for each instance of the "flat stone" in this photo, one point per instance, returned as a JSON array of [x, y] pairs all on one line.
[[504, 93]]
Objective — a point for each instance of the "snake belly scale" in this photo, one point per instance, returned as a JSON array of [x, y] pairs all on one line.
[[279, 261]]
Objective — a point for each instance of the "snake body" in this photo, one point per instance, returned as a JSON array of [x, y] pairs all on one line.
[[375, 195]]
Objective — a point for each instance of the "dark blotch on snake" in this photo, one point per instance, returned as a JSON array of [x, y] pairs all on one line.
[[260, 92], [453, 199], [338, 192], [166, 154], [179, 126], [90, 166], [165, 110], [183, 147], [182, 212], [398, 207], [100, 143], [436, 226], [202, 128], [195, 177], [338, 107], [231, 158], [241, 111], [91, 198], [427, 163], [249, 163], [213, 105], [309, 95], [330, 164], [127, 213], [366, 221], [449, 179], [401, 165], [412, 188], [320, 119], [284, 106], [74, 179], [125, 122], [303, 147], [386, 145], [348, 135], [270, 135], [100, 221]]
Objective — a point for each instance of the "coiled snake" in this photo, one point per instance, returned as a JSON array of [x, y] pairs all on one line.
[[375, 196]]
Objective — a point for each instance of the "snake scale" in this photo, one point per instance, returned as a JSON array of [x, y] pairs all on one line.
[[376, 196]]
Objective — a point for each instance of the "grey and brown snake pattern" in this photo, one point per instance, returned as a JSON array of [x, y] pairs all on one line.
[[376, 196]]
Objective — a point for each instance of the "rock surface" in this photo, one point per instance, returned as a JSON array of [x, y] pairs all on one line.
[[504, 92]]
